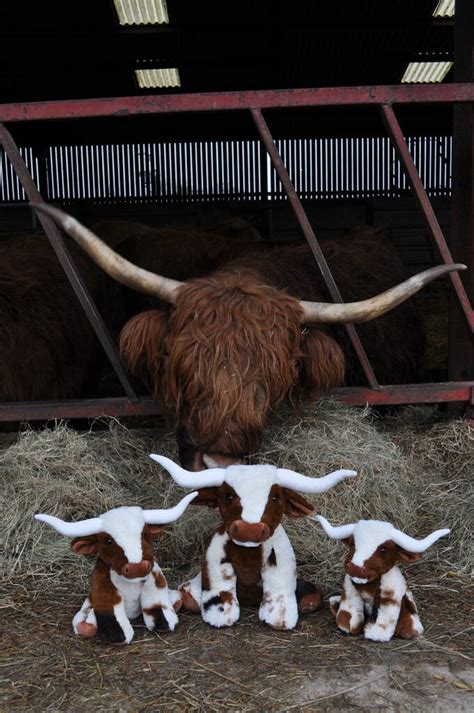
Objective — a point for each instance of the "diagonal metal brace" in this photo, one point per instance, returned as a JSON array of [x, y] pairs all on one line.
[[59, 247]]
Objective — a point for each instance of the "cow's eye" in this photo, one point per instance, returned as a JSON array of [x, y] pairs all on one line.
[[108, 541]]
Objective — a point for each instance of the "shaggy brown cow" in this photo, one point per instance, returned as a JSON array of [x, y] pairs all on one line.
[[47, 343], [235, 343]]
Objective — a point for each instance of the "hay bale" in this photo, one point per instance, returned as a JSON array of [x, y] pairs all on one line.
[[414, 473]]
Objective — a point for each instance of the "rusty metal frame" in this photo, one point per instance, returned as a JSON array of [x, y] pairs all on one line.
[[381, 96]]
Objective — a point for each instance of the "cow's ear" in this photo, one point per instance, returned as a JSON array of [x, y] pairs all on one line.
[[154, 531], [322, 361], [84, 545], [296, 505], [141, 342], [405, 556], [206, 496]]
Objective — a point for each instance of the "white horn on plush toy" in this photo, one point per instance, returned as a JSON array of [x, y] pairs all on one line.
[[336, 533], [296, 481], [411, 545], [161, 517], [81, 528], [189, 479]]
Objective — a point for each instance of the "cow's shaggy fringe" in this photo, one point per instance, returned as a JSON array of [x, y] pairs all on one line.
[[413, 472]]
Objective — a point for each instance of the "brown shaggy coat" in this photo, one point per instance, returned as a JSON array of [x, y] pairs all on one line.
[[233, 347]]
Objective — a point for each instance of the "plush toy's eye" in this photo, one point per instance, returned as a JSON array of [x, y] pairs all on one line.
[[382, 550], [275, 498], [229, 497], [108, 541]]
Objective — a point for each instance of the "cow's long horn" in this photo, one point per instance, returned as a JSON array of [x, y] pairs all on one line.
[[162, 517], [335, 533], [411, 545], [365, 310], [189, 479], [296, 481], [73, 529], [111, 262]]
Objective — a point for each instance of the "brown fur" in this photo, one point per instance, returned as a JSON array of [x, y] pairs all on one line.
[[104, 595], [381, 561], [232, 348], [48, 347], [405, 628]]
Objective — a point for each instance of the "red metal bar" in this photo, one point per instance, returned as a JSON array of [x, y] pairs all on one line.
[[311, 239], [395, 132], [460, 391], [77, 283], [266, 99]]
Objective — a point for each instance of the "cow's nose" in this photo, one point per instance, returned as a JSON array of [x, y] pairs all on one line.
[[138, 569], [354, 571], [249, 532]]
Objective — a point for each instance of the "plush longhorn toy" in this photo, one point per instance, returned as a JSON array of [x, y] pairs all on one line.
[[249, 558], [126, 580], [375, 598]]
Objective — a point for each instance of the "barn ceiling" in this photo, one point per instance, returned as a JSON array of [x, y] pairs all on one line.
[[60, 50]]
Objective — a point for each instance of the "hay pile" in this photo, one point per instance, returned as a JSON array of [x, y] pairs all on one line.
[[416, 473]]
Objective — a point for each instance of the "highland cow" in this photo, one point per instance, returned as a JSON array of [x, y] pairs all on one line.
[[233, 345]]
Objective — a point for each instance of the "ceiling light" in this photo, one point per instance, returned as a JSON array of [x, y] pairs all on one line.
[[157, 78], [426, 72], [444, 8], [142, 12]]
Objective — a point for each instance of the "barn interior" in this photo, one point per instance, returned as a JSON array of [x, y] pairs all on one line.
[[415, 465], [209, 169]]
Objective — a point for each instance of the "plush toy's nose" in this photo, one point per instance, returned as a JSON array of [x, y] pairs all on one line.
[[355, 571], [249, 532], [140, 569]]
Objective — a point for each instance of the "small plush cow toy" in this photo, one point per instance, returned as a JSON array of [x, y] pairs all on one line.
[[126, 579], [375, 597], [249, 558]]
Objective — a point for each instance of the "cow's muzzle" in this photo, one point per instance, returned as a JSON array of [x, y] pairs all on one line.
[[359, 574], [136, 570], [241, 531]]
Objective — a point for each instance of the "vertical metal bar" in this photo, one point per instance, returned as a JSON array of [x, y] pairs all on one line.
[[62, 253], [311, 239], [395, 132]]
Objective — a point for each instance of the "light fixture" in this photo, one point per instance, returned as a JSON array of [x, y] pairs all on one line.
[[426, 72], [157, 78], [142, 12], [445, 8]]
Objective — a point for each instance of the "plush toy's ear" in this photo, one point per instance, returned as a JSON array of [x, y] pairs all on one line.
[[154, 531], [322, 363], [141, 342], [206, 496], [296, 505], [405, 556], [84, 545]]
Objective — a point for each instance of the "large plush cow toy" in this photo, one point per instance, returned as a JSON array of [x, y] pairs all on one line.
[[126, 580], [249, 558], [375, 597]]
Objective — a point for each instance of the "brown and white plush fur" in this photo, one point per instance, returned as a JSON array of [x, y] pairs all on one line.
[[126, 580], [121, 591], [375, 599], [249, 558]]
